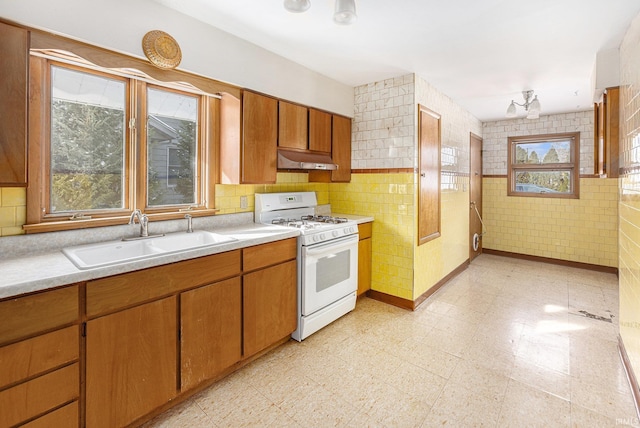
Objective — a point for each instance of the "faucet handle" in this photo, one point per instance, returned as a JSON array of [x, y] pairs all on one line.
[[189, 218]]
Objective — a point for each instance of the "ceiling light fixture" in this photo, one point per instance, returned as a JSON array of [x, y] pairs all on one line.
[[532, 107], [344, 13], [297, 6]]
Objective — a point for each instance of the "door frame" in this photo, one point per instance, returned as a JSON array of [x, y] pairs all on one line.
[[475, 192]]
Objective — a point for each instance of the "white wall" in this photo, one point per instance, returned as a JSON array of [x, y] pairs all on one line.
[[120, 25]]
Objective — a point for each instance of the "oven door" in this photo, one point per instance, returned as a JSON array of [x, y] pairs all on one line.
[[329, 272]]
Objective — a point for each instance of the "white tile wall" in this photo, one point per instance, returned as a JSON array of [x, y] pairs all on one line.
[[455, 125], [495, 136], [383, 125]]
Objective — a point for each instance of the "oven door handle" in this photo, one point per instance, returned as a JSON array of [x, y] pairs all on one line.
[[334, 245]]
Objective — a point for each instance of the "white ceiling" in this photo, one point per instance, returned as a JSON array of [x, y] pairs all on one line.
[[481, 53]]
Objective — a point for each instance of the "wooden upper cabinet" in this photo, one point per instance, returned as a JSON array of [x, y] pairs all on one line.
[[341, 149], [319, 131], [259, 138], [292, 126], [14, 69]]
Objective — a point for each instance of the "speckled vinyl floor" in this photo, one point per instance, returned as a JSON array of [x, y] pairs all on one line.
[[507, 343]]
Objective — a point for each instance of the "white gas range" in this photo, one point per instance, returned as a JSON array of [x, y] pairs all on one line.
[[327, 257]]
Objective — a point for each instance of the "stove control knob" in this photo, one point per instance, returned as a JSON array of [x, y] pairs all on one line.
[[315, 238], [335, 233], [322, 236], [348, 230]]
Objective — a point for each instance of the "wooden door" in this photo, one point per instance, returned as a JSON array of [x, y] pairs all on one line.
[[270, 306], [14, 72], [475, 196], [341, 149], [428, 175], [131, 359], [292, 126], [211, 331], [319, 131], [259, 138]]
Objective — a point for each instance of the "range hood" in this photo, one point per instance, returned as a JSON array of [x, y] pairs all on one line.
[[291, 159]]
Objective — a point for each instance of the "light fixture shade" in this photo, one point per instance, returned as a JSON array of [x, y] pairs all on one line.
[[535, 106], [297, 6], [511, 111], [345, 12], [533, 114]]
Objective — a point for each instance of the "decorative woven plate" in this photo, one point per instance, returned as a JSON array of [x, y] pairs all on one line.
[[161, 49]]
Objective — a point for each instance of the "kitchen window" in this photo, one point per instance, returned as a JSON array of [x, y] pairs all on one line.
[[112, 141], [544, 166]]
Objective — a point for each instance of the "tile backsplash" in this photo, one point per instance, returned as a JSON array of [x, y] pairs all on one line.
[[13, 210]]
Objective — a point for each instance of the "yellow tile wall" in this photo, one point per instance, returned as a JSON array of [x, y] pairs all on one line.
[[389, 199], [629, 208], [13, 210], [228, 196], [437, 258], [582, 230]]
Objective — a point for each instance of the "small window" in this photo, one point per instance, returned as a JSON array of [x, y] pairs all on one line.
[[544, 166]]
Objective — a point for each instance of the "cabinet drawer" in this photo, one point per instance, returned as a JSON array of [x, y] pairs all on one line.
[[38, 355], [109, 294], [26, 316], [364, 230], [260, 256], [64, 417], [29, 399]]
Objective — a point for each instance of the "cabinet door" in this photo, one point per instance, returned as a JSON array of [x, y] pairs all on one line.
[[319, 131], [259, 138], [364, 266], [130, 363], [341, 149], [211, 331], [13, 105], [292, 126], [270, 308]]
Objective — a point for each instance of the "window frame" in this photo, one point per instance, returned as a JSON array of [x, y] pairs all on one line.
[[47, 215], [39, 216], [573, 166]]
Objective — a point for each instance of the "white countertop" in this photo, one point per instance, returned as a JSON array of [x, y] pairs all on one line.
[[31, 273]]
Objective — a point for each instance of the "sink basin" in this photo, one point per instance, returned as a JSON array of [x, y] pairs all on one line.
[[186, 241], [114, 252]]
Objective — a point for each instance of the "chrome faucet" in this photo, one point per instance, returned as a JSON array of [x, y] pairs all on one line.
[[189, 223], [143, 220]]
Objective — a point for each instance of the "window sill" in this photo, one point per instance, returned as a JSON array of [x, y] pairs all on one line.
[[55, 226]]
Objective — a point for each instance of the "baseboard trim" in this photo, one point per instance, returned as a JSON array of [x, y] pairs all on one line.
[[412, 305], [390, 300], [457, 271], [597, 268], [631, 377]]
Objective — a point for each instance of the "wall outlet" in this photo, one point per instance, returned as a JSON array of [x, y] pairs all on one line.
[[243, 202]]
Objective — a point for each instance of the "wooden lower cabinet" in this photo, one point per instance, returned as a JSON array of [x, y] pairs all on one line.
[[148, 336], [40, 357], [64, 417], [211, 331], [269, 306], [39, 396], [131, 363], [364, 258]]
